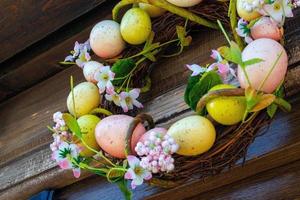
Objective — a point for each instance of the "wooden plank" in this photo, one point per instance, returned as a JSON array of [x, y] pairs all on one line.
[[26, 22], [40, 61], [16, 112], [280, 183]]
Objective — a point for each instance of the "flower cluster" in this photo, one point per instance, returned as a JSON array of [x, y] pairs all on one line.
[[80, 55], [126, 100], [221, 66], [63, 152], [156, 152], [276, 10]]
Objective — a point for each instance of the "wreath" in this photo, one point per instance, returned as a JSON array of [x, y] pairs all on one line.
[[233, 98]]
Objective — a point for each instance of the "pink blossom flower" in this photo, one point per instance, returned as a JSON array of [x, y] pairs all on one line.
[[113, 96], [196, 69], [136, 173], [104, 77], [216, 55], [80, 55], [223, 69], [65, 154], [128, 99], [243, 30]]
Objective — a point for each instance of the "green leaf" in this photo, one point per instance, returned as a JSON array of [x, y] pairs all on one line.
[[271, 110], [192, 81], [265, 100], [72, 124], [206, 82], [252, 61], [232, 53], [114, 174], [183, 38], [123, 186], [252, 98], [122, 68]]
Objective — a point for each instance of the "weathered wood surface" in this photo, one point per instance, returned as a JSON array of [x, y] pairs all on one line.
[[280, 183], [40, 60], [23, 22], [32, 139]]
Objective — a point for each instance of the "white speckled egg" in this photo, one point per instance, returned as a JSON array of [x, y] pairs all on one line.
[[106, 40], [184, 3], [268, 50], [89, 70], [266, 28]]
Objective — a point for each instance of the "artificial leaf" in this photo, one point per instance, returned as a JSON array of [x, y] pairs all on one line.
[[271, 110], [72, 124], [123, 186], [252, 98], [122, 68], [114, 174], [206, 82], [232, 53], [192, 81], [252, 61], [183, 38], [264, 101]]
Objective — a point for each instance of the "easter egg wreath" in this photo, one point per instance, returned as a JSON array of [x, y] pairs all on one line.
[[233, 98]]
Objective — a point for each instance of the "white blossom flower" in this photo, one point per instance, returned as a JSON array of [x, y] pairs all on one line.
[[278, 10], [128, 100], [113, 96], [104, 77], [196, 69]]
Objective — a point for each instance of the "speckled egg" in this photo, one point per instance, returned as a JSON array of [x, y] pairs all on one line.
[[89, 70], [268, 50], [146, 136], [106, 40], [266, 28], [184, 3], [111, 132]]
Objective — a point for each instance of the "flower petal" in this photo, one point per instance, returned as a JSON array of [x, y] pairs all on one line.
[[109, 87], [138, 180], [216, 55], [196, 69], [137, 104], [146, 175], [76, 172], [134, 93], [65, 164], [129, 174], [133, 161], [101, 85]]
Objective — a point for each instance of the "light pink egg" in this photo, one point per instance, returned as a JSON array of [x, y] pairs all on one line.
[[89, 70], [148, 133], [268, 50], [266, 28], [106, 40], [111, 132]]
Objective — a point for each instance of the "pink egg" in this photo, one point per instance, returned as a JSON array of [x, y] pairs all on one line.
[[268, 50], [111, 132], [106, 40], [148, 133], [266, 28], [89, 70]]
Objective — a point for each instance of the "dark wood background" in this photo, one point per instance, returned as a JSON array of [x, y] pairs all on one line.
[[33, 86]]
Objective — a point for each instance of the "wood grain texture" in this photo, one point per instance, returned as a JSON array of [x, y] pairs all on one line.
[[41, 60], [279, 183], [26, 22]]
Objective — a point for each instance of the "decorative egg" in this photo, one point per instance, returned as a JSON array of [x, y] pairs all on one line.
[[87, 124], [111, 134], [106, 40], [194, 135], [144, 137], [268, 50], [89, 70], [245, 10], [226, 110], [153, 11], [136, 26], [184, 3], [266, 28], [87, 98]]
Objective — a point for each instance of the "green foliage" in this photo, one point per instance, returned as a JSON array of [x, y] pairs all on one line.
[[72, 124], [205, 83], [122, 68], [124, 188], [183, 38], [192, 81], [252, 61]]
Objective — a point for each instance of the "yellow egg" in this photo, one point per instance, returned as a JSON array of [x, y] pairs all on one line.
[[86, 97], [87, 124], [152, 11], [194, 135], [226, 110], [243, 13], [184, 3], [135, 26]]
